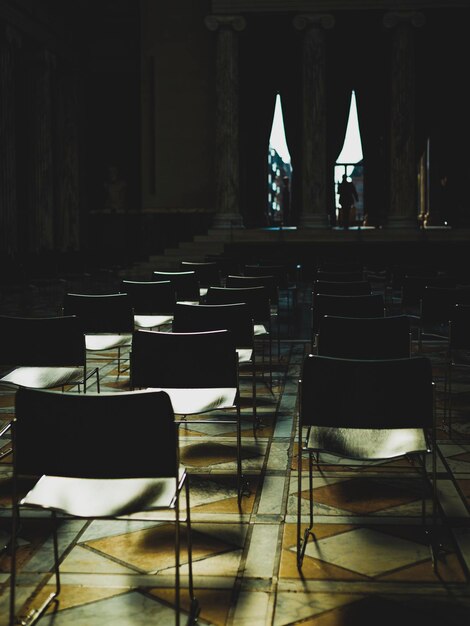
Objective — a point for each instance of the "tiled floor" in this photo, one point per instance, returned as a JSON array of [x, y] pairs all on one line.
[[369, 565]]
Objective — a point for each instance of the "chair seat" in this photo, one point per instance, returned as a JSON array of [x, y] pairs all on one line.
[[367, 444], [245, 355], [101, 497], [107, 341], [152, 321], [200, 400], [260, 329], [44, 377]]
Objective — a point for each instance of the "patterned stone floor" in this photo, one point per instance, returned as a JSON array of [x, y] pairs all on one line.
[[370, 563]]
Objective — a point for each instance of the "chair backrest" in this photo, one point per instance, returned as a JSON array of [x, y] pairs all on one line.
[[365, 338], [360, 393], [413, 287], [257, 299], [398, 272], [42, 341], [280, 273], [226, 264], [369, 305], [459, 327], [52, 431], [101, 313], [207, 272], [341, 277], [267, 281], [436, 303], [342, 267], [184, 360], [343, 288], [186, 283], [150, 297], [236, 318]]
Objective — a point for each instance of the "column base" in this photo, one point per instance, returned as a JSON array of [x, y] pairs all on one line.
[[314, 221], [402, 221], [227, 220]]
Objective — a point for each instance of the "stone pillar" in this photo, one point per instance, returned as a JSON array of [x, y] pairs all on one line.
[[9, 44], [227, 166], [403, 167], [67, 217], [314, 158], [41, 175]]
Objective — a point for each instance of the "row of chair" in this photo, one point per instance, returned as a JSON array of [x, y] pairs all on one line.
[[351, 401]]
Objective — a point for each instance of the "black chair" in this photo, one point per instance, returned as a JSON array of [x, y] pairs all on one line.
[[108, 320], [236, 318], [153, 302], [458, 356], [207, 273], [341, 288], [340, 277], [413, 287], [198, 370], [44, 352], [364, 410], [371, 305], [52, 430], [364, 337], [186, 284], [269, 282], [257, 299]]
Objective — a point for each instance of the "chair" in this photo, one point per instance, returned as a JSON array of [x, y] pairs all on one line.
[[341, 288], [269, 282], [364, 338], [108, 320], [153, 302], [207, 273], [338, 276], [186, 284], [413, 288], [364, 410], [43, 353], [226, 264], [50, 432], [280, 274], [435, 309], [371, 305], [199, 371], [340, 266], [458, 355], [257, 299], [236, 318]]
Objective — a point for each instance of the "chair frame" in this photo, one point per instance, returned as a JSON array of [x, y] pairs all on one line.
[[378, 414], [370, 305], [186, 283], [258, 300], [218, 350], [153, 301], [235, 318], [103, 315], [33, 461]]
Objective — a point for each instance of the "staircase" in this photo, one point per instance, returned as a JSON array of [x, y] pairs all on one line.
[[195, 250]]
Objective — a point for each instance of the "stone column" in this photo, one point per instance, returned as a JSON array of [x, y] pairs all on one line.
[[41, 174], [67, 217], [403, 167], [314, 159], [9, 44], [227, 166]]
